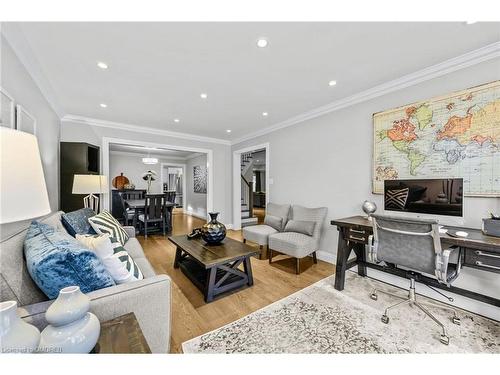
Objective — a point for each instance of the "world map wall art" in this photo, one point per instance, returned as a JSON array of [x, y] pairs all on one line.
[[452, 136]]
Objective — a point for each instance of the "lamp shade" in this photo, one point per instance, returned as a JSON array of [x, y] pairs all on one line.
[[89, 184], [23, 193]]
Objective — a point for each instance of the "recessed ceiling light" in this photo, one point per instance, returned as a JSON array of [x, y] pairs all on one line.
[[102, 65], [262, 42], [203, 95], [265, 114], [228, 131], [176, 120], [103, 105], [332, 83], [470, 22]]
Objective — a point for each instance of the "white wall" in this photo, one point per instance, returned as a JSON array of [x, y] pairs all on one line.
[[16, 80], [77, 132], [133, 168], [196, 203], [334, 156]]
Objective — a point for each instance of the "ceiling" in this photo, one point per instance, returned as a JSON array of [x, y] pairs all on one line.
[[157, 71], [158, 152]]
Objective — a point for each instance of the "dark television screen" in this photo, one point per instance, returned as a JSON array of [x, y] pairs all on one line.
[[426, 196]]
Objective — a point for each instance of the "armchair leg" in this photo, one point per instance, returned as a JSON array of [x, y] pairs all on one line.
[[244, 240], [315, 260], [297, 266], [270, 255]]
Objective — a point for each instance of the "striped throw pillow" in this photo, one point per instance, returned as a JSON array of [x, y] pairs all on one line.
[[106, 223], [396, 198], [113, 255]]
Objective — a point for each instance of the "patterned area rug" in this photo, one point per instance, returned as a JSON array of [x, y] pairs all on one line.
[[320, 319]]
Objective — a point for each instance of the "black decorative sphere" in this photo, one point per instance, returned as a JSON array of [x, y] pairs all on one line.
[[213, 232]]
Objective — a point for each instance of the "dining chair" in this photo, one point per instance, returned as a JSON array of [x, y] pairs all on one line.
[[171, 196], [154, 212], [128, 213]]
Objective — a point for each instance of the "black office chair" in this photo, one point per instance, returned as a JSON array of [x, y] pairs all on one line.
[[415, 245], [154, 212]]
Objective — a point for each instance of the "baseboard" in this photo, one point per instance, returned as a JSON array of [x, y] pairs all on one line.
[[194, 214], [325, 256]]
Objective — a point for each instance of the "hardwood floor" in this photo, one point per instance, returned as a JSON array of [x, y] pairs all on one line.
[[191, 316]]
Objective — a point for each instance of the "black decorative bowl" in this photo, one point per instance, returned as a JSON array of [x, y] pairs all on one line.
[[213, 232]]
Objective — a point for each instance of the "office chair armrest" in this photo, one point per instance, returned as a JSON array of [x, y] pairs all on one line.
[[372, 249], [442, 265]]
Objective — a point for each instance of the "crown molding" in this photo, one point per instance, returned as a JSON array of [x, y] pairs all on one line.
[[14, 36], [491, 51], [141, 129], [145, 154]]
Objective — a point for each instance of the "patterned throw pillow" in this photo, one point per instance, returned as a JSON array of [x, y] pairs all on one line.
[[56, 260], [396, 198], [115, 258], [106, 223]]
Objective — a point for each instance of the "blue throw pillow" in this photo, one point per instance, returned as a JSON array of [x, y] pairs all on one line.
[[77, 222], [56, 260]]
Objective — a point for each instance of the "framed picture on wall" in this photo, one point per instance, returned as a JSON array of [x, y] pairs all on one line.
[[200, 179], [25, 122], [6, 109]]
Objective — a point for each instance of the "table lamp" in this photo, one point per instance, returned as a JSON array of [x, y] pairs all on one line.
[[23, 193], [90, 184]]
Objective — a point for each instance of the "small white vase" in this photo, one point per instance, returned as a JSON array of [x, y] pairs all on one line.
[[71, 329], [16, 336]]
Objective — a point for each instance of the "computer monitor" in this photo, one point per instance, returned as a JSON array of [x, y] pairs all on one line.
[[435, 196]]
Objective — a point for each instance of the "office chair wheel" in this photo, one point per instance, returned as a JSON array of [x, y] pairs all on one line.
[[444, 340], [385, 319], [456, 320], [374, 296]]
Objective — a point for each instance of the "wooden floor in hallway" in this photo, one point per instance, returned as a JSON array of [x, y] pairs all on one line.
[[191, 316]]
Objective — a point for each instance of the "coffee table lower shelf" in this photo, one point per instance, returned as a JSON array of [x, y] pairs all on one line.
[[219, 279]]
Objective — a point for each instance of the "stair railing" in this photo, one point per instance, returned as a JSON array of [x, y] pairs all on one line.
[[247, 194]]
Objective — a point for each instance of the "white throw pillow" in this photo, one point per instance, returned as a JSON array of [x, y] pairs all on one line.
[[115, 258]]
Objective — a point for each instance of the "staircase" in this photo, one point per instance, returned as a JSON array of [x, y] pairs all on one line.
[[247, 217]]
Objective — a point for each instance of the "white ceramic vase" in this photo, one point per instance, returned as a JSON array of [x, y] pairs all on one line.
[[16, 336], [72, 328]]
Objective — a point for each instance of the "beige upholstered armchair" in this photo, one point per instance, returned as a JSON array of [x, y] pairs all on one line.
[[301, 235]]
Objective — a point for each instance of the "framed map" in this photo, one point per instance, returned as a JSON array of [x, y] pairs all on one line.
[[452, 136]]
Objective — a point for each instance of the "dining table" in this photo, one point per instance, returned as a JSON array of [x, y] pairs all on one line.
[[138, 205]]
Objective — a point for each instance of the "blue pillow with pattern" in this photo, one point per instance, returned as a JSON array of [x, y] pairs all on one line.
[[77, 222], [56, 260]]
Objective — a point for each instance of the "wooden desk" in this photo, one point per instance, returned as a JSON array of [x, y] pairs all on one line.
[[478, 251]]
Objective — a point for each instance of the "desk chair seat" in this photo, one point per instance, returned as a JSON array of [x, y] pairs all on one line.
[[415, 246]]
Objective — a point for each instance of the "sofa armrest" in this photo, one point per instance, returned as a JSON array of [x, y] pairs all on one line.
[[130, 230], [148, 299]]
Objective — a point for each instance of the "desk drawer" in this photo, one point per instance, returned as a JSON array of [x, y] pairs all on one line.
[[357, 235], [483, 259]]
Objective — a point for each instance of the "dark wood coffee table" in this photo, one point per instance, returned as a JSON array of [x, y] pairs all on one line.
[[214, 269]]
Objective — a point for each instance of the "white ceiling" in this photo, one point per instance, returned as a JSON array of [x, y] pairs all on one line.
[[157, 71], [145, 151]]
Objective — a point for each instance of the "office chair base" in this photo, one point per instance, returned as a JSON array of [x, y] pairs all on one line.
[[412, 301]]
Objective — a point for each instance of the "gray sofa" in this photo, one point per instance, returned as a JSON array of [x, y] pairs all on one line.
[[149, 299]]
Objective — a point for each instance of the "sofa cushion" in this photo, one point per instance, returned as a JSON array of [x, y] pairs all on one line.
[[134, 248], [56, 260], [106, 223], [77, 222], [113, 255], [294, 244], [258, 233], [145, 267], [279, 210], [274, 222], [300, 226]]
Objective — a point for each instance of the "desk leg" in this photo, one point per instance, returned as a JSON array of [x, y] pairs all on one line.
[[343, 252], [360, 251]]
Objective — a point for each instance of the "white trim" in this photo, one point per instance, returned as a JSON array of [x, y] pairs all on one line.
[[237, 180], [183, 166], [140, 155], [20, 110], [140, 129], [325, 256], [477, 56], [12, 107], [17, 41], [105, 163], [192, 156]]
